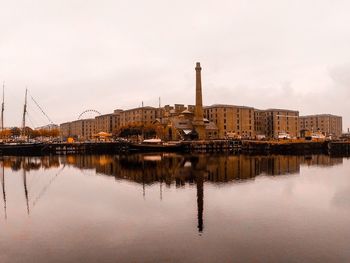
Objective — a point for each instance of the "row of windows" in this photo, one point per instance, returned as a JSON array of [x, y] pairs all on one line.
[[225, 127], [216, 116], [216, 110]]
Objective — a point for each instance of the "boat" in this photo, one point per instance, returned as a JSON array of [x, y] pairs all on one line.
[[14, 148], [152, 141], [155, 144], [283, 135], [21, 146], [318, 136]]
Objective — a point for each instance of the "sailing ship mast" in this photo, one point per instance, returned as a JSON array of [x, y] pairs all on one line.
[[24, 114]]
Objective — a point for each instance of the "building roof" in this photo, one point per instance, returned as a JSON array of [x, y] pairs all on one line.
[[141, 108], [320, 115], [106, 115], [186, 112], [227, 106], [273, 109], [81, 120]]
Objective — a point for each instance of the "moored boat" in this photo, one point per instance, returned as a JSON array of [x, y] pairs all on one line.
[[155, 145], [21, 148]]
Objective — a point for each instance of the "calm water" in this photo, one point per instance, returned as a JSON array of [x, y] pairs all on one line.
[[175, 208]]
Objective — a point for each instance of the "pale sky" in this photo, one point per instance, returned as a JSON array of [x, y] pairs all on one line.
[[103, 55]]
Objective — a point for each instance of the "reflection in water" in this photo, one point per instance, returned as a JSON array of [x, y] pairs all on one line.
[[26, 164], [3, 189], [25, 189], [167, 168], [95, 211], [198, 173], [46, 187], [178, 169], [200, 196]]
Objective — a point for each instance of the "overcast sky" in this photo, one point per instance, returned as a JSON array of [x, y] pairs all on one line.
[[103, 55]]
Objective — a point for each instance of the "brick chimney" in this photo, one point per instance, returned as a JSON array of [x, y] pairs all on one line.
[[198, 122]]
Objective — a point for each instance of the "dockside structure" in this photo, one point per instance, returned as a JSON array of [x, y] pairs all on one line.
[[273, 122], [81, 129], [139, 116], [107, 122], [230, 120], [328, 124]]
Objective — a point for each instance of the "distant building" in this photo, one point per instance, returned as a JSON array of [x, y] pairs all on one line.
[[210, 122], [260, 123], [274, 122], [231, 119], [139, 116], [180, 127], [79, 129], [328, 124], [108, 123], [65, 129], [177, 109], [48, 127]]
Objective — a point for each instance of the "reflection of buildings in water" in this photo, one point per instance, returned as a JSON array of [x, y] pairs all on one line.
[[280, 165], [321, 160], [242, 167], [28, 163], [81, 161], [166, 168], [145, 169], [177, 169]]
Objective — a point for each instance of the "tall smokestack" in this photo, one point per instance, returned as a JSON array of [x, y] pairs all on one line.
[[198, 122], [199, 100]]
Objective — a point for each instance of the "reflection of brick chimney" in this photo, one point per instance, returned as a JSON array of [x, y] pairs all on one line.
[[198, 113]]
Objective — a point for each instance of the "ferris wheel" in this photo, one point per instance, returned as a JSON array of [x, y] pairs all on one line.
[[89, 111]]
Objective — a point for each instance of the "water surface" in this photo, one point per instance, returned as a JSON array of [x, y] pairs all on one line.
[[175, 208]]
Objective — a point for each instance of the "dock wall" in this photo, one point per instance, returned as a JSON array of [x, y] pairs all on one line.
[[214, 146]]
